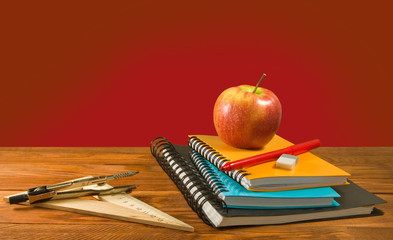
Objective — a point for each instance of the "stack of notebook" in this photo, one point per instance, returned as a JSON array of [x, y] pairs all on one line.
[[261, 194]]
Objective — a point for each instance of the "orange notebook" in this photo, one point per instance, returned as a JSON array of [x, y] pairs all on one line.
[[310, 171]]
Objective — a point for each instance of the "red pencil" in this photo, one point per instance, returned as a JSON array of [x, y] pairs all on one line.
[[271, 156]]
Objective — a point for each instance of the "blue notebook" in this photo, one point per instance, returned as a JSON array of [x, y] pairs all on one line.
[[236, 196]]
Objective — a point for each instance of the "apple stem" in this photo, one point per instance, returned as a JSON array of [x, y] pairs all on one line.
[[260, 80]]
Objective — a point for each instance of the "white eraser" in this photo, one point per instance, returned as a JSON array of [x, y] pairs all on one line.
[[287, 161]]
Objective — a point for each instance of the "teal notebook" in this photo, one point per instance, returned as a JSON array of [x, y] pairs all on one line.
[[236, 196]]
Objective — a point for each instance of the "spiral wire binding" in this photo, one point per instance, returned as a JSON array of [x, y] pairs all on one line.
[[215, 157], [207, 172], [175, 166]]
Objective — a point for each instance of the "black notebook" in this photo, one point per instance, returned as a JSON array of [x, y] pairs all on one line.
[[176, 162]]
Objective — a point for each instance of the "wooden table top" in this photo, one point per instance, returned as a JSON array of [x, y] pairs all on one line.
[[23, 168]]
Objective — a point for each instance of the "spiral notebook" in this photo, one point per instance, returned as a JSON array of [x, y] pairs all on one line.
[[310, 171], [236, 196], [175, 161]]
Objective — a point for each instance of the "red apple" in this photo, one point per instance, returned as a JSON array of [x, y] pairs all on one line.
[[247, 116]]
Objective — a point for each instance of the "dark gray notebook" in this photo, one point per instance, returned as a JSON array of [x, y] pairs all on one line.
[[175, 161]]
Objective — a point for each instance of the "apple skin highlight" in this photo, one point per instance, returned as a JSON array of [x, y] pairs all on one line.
[[247, 120]]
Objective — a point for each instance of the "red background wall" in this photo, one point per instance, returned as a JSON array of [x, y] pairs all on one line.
[[91, 73]]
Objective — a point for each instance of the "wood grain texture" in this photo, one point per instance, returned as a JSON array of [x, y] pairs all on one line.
[[22, 168]]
